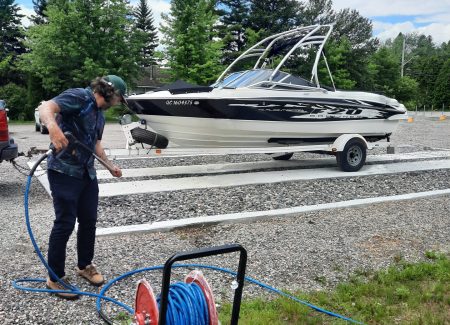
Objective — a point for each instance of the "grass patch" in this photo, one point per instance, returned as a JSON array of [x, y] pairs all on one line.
[[405, 293]]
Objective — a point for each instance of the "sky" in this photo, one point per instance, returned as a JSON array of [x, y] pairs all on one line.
[[389, 17]]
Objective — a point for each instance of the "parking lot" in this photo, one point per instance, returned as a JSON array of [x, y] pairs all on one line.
[[287, 250]]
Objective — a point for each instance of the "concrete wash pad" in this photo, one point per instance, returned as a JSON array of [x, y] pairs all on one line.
[[377, 165]]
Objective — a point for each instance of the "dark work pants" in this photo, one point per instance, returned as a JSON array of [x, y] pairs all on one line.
[[72, 198]]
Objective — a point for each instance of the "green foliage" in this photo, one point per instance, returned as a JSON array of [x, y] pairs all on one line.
[[11, 31], [145, 25], [11, 34], [403, 294], [74, 41], [337, 54], [39, 7], [357, 30], [273, 16], [15, 97], [384, 70], [192, 51], [4, 65], [316, 11], [82, 40], [406, 90], [234, 18], [442, 90]]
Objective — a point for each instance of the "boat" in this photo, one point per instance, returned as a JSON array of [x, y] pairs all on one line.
[[259, 101]]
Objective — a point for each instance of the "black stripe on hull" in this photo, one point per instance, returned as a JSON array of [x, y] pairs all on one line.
[[282, 109]]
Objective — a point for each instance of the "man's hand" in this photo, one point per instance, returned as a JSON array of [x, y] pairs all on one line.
[[58, 139], [116, 171]]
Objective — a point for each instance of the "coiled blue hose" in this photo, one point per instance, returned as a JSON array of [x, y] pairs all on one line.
[[181, 306]]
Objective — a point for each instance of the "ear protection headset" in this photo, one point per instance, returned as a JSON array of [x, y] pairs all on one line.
[[106, 89]]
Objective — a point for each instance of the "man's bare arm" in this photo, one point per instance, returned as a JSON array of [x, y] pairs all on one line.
[[100, 152], [47, 111]]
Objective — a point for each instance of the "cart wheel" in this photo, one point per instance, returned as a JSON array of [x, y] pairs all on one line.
[[149, 137], [285, 156], [353, 157]]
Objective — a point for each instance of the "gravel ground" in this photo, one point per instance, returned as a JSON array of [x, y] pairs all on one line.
[[310, 251], [144, 208]]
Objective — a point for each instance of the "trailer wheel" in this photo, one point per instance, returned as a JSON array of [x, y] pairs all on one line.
[[353, 157], [285, 156], [149, 137]]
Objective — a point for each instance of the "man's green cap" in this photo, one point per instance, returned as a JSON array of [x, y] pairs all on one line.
[[119, 85]]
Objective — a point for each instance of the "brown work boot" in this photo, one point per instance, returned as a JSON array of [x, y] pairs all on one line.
[[91, 274], [58, 286]]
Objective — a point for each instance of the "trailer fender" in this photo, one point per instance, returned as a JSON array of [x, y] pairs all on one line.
[[341, 141]]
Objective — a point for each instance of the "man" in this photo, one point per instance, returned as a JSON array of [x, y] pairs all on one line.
[[71, 174]]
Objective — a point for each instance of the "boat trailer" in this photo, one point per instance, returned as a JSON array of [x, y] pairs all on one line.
[[350, 150]]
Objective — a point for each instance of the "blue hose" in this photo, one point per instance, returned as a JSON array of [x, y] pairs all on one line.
[[181, 295]]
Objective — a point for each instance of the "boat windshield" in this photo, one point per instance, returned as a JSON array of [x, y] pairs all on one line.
[[260, 78]]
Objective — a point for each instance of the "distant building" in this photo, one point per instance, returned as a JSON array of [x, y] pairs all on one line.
[[153, 77]]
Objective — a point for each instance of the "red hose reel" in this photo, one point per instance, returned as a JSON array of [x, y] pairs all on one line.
[[146, 307]]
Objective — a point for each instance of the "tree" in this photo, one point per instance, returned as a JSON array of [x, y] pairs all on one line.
[[11, 35], [441, 92], [316, 12], [337, 57], [15, 97], [232, 31], [39, 7], [192, 51], [274, 16], [357, 30], [82, 40], [384, 70], [145, 24], [407, 91]]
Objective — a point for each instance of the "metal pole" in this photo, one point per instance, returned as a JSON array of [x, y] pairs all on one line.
[[403, 57]]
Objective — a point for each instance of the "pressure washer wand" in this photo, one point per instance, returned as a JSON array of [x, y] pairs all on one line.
[[74, 141]]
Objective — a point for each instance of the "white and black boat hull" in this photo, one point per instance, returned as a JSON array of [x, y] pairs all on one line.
[[206, 132], [207, 120]]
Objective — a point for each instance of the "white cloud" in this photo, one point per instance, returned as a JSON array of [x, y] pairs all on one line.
[[395, 7], [386, 30], [439, 32], [27, 12], [438, 18], [431, 17]]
